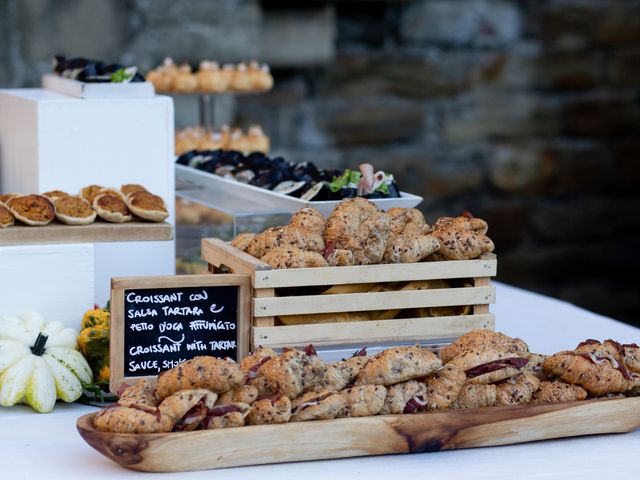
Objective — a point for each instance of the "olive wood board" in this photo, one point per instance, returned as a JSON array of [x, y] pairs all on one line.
[[355, 437], [95, 232]]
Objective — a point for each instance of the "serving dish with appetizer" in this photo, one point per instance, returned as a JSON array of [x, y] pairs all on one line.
[[486, 388]]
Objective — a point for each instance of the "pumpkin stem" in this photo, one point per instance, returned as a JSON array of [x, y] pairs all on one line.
[[38, 347]]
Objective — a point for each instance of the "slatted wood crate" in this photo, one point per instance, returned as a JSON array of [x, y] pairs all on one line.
[[276, 294]]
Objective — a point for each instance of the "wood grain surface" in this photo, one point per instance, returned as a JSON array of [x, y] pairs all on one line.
[[98, 231], [353, 437]]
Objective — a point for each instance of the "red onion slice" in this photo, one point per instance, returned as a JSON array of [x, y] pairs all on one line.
[[361, 353], [304, 405], [608, 359], [253, 371], [496, 365], [588, 341], [220, 410]]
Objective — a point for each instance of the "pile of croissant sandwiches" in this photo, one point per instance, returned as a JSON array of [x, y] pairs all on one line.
[[358, 233], [480, 369]]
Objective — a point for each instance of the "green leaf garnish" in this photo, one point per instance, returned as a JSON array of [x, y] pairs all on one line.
[[347, 178], [121, 76]]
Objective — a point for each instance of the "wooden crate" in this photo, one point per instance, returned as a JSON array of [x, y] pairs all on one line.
[[268, 302]]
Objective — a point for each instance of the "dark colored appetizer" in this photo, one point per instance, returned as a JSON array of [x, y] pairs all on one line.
[[301, 180], [94, 71]]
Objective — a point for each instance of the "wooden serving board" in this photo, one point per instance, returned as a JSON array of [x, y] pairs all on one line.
[[95, 232], [354, 437]]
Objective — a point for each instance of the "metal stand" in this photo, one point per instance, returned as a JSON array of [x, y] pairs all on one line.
[[216, 109]]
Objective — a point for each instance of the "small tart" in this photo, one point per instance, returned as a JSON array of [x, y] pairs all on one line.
[[112, 208], [110, 191], [53, 194], [5, 197], [148, 206], [90, 193], [129, 188], [32, 209], [74, 210], [6, 217]]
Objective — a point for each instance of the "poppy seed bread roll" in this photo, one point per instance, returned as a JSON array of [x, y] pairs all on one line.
[[215, 374]]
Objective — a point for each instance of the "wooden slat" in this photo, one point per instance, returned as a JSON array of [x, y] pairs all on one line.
[[358, 302], [96, 232], [483, 307], [485, 267], [264, 321], [354, 437], [377, 331], [217, 252]]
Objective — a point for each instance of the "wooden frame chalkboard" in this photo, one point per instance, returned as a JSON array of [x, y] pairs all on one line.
[[159, 321]]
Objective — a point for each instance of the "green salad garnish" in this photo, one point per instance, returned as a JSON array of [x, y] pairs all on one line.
[[349, 177]]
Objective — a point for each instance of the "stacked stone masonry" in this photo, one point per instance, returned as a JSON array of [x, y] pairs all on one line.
[[526, 113]]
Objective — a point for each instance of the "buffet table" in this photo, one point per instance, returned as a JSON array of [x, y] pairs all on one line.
[[47, 445]]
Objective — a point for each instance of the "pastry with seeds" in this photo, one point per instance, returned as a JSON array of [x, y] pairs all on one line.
[[216, 374], [558, 391], [267, 411], [398, 364], [405, 397], [322, 405], [363, 400], [226, 416], [443, 387]]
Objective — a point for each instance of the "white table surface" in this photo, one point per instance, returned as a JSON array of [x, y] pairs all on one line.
[[43, 446]]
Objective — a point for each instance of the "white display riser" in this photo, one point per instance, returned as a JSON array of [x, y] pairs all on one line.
[[54, 280], [51, 141], [63, 281], [130, 259]]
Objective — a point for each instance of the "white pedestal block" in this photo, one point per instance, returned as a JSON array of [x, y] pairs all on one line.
[[143, 258], [54, 280], [52, 141]]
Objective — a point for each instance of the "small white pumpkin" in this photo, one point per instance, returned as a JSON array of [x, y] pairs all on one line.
[[39, 362]]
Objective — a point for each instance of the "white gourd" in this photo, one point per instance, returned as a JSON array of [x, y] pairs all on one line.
[[39, 362]]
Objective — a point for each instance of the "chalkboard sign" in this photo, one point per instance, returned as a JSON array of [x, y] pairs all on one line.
[[158, 322]]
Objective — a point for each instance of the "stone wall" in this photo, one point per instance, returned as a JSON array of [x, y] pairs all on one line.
[[526, 113]]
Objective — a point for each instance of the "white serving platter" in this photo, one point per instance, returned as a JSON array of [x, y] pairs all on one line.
[[77, 89], [277, 201]]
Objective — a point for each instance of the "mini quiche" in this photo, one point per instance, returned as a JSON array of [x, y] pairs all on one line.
[[74, 210], [53, 194], [32, 209], [111, 208], [110, 191], [6, 217], [4, 198], [129, 188], [148, 206], [90, 192]]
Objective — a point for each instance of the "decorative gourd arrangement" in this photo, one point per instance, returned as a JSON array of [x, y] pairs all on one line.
[[39, 362], [94, 342]]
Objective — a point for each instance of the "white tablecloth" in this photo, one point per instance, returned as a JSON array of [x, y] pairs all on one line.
[[35, 447]]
